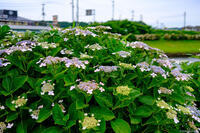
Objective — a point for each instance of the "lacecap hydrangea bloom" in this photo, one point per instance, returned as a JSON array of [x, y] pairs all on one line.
[[106, 69], [48, 87], [20, 101], [89, 86], [123, 90], [123, 54], [89, 122]]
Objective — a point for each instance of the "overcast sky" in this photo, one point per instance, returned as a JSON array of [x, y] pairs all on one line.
[[155, 12]]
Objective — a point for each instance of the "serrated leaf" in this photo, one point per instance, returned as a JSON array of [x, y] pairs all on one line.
[[52, 130], [143, 111], [58, 115], [21, 127], [11, 116], [6, 83], [102, 112], [43, 115], [148, 100], [120, 126], [80, 103], [19, 82], [10, 105], [135, 120], [66, 117], [104, 99]]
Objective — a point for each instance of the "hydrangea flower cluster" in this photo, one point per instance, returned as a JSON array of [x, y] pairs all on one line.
[[100, 27], [21, 101], [68, 62], [26, 42], [77, 31], [183, 109], [3, 62], [84, 32], [106, 69], [181, 76], [85, 56], [162, 104], [47, 45], [49, 60], [89, 122], [194, 112], [2, 107], [171, 114], [47, 87], [89, 86], [75, 62], [143, 66], [163, 90], [95, 47], [164, 62], [158, 70], [141, 45], [123, 90], [65, 51], [127, 66], [4, 127], [22, 48], [35, 113], [123, 54]]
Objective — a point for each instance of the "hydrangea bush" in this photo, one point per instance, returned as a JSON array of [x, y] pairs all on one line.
[[87, 80]]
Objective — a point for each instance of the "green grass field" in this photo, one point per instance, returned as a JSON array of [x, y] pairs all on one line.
[[176, 47]]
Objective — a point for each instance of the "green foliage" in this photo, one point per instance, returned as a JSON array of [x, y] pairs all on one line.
[[86, 80]]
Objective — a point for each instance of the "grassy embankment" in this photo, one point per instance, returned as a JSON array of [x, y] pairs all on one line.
[[176, 47]]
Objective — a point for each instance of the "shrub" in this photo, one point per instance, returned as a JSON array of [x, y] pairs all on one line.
[[88, 80]]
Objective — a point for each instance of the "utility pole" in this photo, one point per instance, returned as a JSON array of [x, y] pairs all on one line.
[[77, 13], [113, 9], [72, 10], [184, 23], [43, 13], [132, 16], [141, 17]]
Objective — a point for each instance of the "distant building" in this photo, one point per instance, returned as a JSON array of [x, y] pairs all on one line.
[[192, 28], [10, 17]]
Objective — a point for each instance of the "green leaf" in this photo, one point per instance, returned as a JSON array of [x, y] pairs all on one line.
[[66, 117], [143, 111], [43, 115], [102, 112], [58, 115], [21, 127], [6, 83], [70, 123], [135, 120], [80, 103], [11, 116], [16, 61], [120, 126], [19, 82], [52, 130], [10, 105], [148, 100], [104, 99]]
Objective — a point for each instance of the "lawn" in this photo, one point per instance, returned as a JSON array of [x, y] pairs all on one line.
[[176, 47]]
